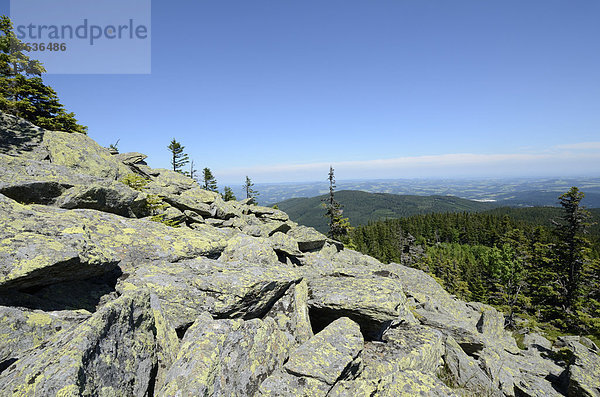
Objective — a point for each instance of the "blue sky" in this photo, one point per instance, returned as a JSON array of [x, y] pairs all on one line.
[[279, 90]]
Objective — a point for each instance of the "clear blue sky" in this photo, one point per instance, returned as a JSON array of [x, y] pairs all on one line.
[[279, 90]]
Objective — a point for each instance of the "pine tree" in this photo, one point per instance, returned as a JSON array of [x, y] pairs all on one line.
[[209, 181], [228, 194], [339, 227], [22, 91], [250, 192], [178, 157], [572, 250]]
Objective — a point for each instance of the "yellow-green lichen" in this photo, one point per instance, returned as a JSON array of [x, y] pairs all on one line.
[[37, 319]]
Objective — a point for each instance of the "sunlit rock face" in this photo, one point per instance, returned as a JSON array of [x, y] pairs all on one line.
[[98, 298]]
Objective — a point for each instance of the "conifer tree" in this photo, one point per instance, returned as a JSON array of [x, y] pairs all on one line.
[[228, 194], [178, 157], [248, 188], [209, 182], [572, 249], [339, 227], [22, 91]]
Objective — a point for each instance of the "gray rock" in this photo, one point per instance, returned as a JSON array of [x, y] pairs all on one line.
[[167, 342], [39, 192], [214, 222], [290, 313], [36, 182], [536, 341], [266, 212], [248, 201], [464, 370], [19, 137], [171, 184], [501, 369], [226, 290], [255, 250], [405, 383], [265, 229], [80, 153], [373, 303], [225, 209], [30, 181], [584, 370], [308, 238], [328, 355], [113, 352], [42, 245], [22, 329], [529, 385], [87, 294], [193, 217], [226, 357], [283, 384], [284, 244], [172, 214], [473, 325], [114, 197], [92, 301], [406, 347], [131, 158]]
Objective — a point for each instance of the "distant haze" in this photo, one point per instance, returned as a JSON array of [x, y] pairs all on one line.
[[566, 161], [505, 191]]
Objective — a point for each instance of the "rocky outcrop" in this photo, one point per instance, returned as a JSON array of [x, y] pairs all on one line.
[[584, 368], [98, 299], [226, 357], [315, 366], [113, 352]]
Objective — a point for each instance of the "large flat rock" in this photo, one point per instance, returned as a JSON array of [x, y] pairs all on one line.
[[225, 289], [372, 302], [42, 245]]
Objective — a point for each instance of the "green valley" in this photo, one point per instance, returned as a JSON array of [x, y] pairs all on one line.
[[362, 207]]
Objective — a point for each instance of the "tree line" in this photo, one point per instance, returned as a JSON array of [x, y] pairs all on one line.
[[544, 274]]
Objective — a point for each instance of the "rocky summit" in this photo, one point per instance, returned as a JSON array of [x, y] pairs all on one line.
[[97, 298]]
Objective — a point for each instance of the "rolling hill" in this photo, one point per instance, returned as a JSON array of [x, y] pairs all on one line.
[[361, 207]]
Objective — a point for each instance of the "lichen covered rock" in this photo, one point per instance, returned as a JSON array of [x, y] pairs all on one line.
[[584, 370], [42, 245], [80, 153], [236, 301], [226, 290], [111, 353], [329, 354], [34, 328], [372, 302], [226, 357]]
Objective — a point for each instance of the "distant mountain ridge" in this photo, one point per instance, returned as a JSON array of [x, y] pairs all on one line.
[[525, 192], [361, 207]]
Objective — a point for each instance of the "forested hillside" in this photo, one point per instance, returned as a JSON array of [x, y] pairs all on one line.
[[512, 258], [361, 207]]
